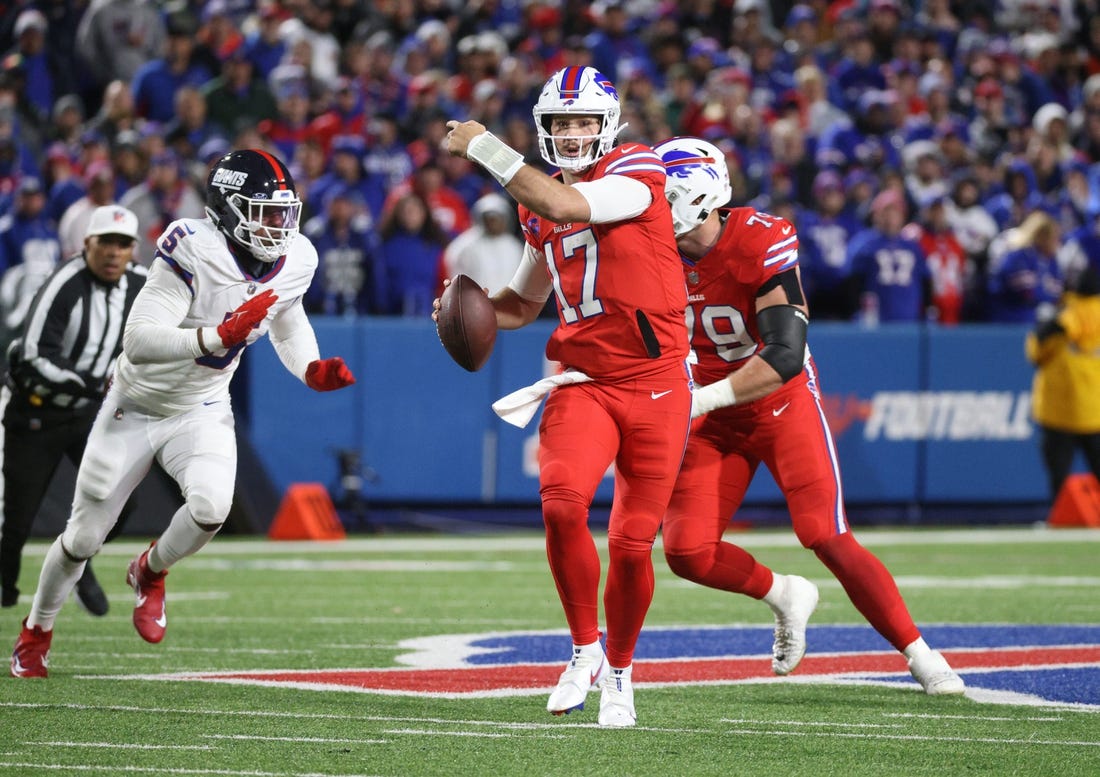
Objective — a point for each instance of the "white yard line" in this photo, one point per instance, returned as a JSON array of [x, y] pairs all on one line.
[[534, 541]]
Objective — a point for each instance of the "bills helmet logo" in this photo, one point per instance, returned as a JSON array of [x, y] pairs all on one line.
[[681, 164]]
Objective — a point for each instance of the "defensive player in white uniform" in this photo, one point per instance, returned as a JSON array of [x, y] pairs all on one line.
[[215, 286]]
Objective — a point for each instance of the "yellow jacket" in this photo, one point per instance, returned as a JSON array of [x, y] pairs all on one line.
[[1065, 393]]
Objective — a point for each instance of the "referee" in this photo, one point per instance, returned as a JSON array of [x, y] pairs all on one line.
[[57, 375]]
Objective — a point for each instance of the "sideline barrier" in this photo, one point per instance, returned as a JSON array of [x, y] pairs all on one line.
[[920, 415]]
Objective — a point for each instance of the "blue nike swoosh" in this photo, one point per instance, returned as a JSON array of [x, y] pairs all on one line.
[[216, 401]]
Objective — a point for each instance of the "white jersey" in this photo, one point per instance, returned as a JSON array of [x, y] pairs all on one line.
[[196, 282]]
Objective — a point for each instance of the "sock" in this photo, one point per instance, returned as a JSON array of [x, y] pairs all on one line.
[[871, 588], [916, 648], [778, 591], [182, 538], [626, 598], [575, 565], [55, 583]]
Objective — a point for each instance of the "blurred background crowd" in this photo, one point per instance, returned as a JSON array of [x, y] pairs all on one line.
[[941, 160]]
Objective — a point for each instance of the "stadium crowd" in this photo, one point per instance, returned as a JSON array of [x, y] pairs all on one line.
[[940, 160]]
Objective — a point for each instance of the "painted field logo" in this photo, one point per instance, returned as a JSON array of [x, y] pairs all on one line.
[[1039, 665]]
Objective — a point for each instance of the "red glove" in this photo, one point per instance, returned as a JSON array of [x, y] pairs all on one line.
[[244, 319], [328, 374]]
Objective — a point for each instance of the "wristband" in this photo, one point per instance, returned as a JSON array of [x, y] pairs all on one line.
[[501, 160], [711, 397], [202, 345]]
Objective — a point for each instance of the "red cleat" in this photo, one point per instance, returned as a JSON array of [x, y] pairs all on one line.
[[31, 657], [150, 618]]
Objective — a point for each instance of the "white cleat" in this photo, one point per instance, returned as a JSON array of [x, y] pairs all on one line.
[[617, 700], [586, 671], [791, 617], [935, 675]]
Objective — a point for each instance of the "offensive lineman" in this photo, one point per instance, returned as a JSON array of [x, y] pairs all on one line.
[[757, 387], [599, 238], [215, 286]]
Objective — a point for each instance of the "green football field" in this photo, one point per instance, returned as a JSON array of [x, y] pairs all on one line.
[[461, 626]]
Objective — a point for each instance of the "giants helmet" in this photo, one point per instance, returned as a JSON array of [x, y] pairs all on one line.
[[252, 200], [698, 181], [580, 91]]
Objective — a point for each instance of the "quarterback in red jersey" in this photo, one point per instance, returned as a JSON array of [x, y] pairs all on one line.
[[599, 237], [757, 387]]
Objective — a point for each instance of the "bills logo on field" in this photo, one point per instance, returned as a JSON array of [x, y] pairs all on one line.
[[1039, 665]]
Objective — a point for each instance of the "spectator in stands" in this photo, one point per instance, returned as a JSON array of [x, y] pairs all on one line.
[[412, 246], [128, 162], [348, 256], [99, 183], [238, 97], [63, 184], [449, 210], [264, 46], [1081, 249], [116, 115], [612, 40], [116, 39], [1019, 198], [191, 126], [386, 162], [164, 196], [1065, 395], [29, 251], [384, 86], [156, 83], [291, 124], [40, 68], [948, 266], [1026, 281], [312, 26], [889, 273], [489, 251], [344, 117], [824, 231], [345, 168]]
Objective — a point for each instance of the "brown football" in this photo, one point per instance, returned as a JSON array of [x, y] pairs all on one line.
[[467, 323]]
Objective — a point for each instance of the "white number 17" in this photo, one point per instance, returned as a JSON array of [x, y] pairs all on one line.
[[577, 245]]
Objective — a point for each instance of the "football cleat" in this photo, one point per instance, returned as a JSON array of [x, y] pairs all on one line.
[[617, 700], [791, 617], [150, 616], [935, 675], [31, 657], [89, 594], [586, 671]]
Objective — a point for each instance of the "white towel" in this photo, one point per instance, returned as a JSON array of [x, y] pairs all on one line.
[[518, 408]]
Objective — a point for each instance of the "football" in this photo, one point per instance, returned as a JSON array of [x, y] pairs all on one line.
[[467, 323]]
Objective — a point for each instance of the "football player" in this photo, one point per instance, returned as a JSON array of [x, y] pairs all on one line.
[[599, 237], [758, 395], [215, 286]]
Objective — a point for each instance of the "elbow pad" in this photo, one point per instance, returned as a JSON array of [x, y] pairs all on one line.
[[783, 330]]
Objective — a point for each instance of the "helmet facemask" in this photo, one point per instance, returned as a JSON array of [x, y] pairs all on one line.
[[266, 227]]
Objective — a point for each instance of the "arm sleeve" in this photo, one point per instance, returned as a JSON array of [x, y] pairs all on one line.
[[294, 339], [614, 198], [153, 333], [531, 280]]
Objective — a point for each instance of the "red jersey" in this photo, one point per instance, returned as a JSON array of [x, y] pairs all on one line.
[[722, 289], [619, 287]]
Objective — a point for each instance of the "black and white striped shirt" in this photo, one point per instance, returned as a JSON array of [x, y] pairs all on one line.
[[72, 335]]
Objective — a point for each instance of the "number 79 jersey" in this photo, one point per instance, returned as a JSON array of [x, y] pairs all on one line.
[[619, 288], [722, 288]]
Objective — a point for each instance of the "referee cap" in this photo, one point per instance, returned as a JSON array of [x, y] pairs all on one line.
[[113, 220]]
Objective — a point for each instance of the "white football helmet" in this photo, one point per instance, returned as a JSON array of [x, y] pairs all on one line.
[[580, 91], [698, 181]]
